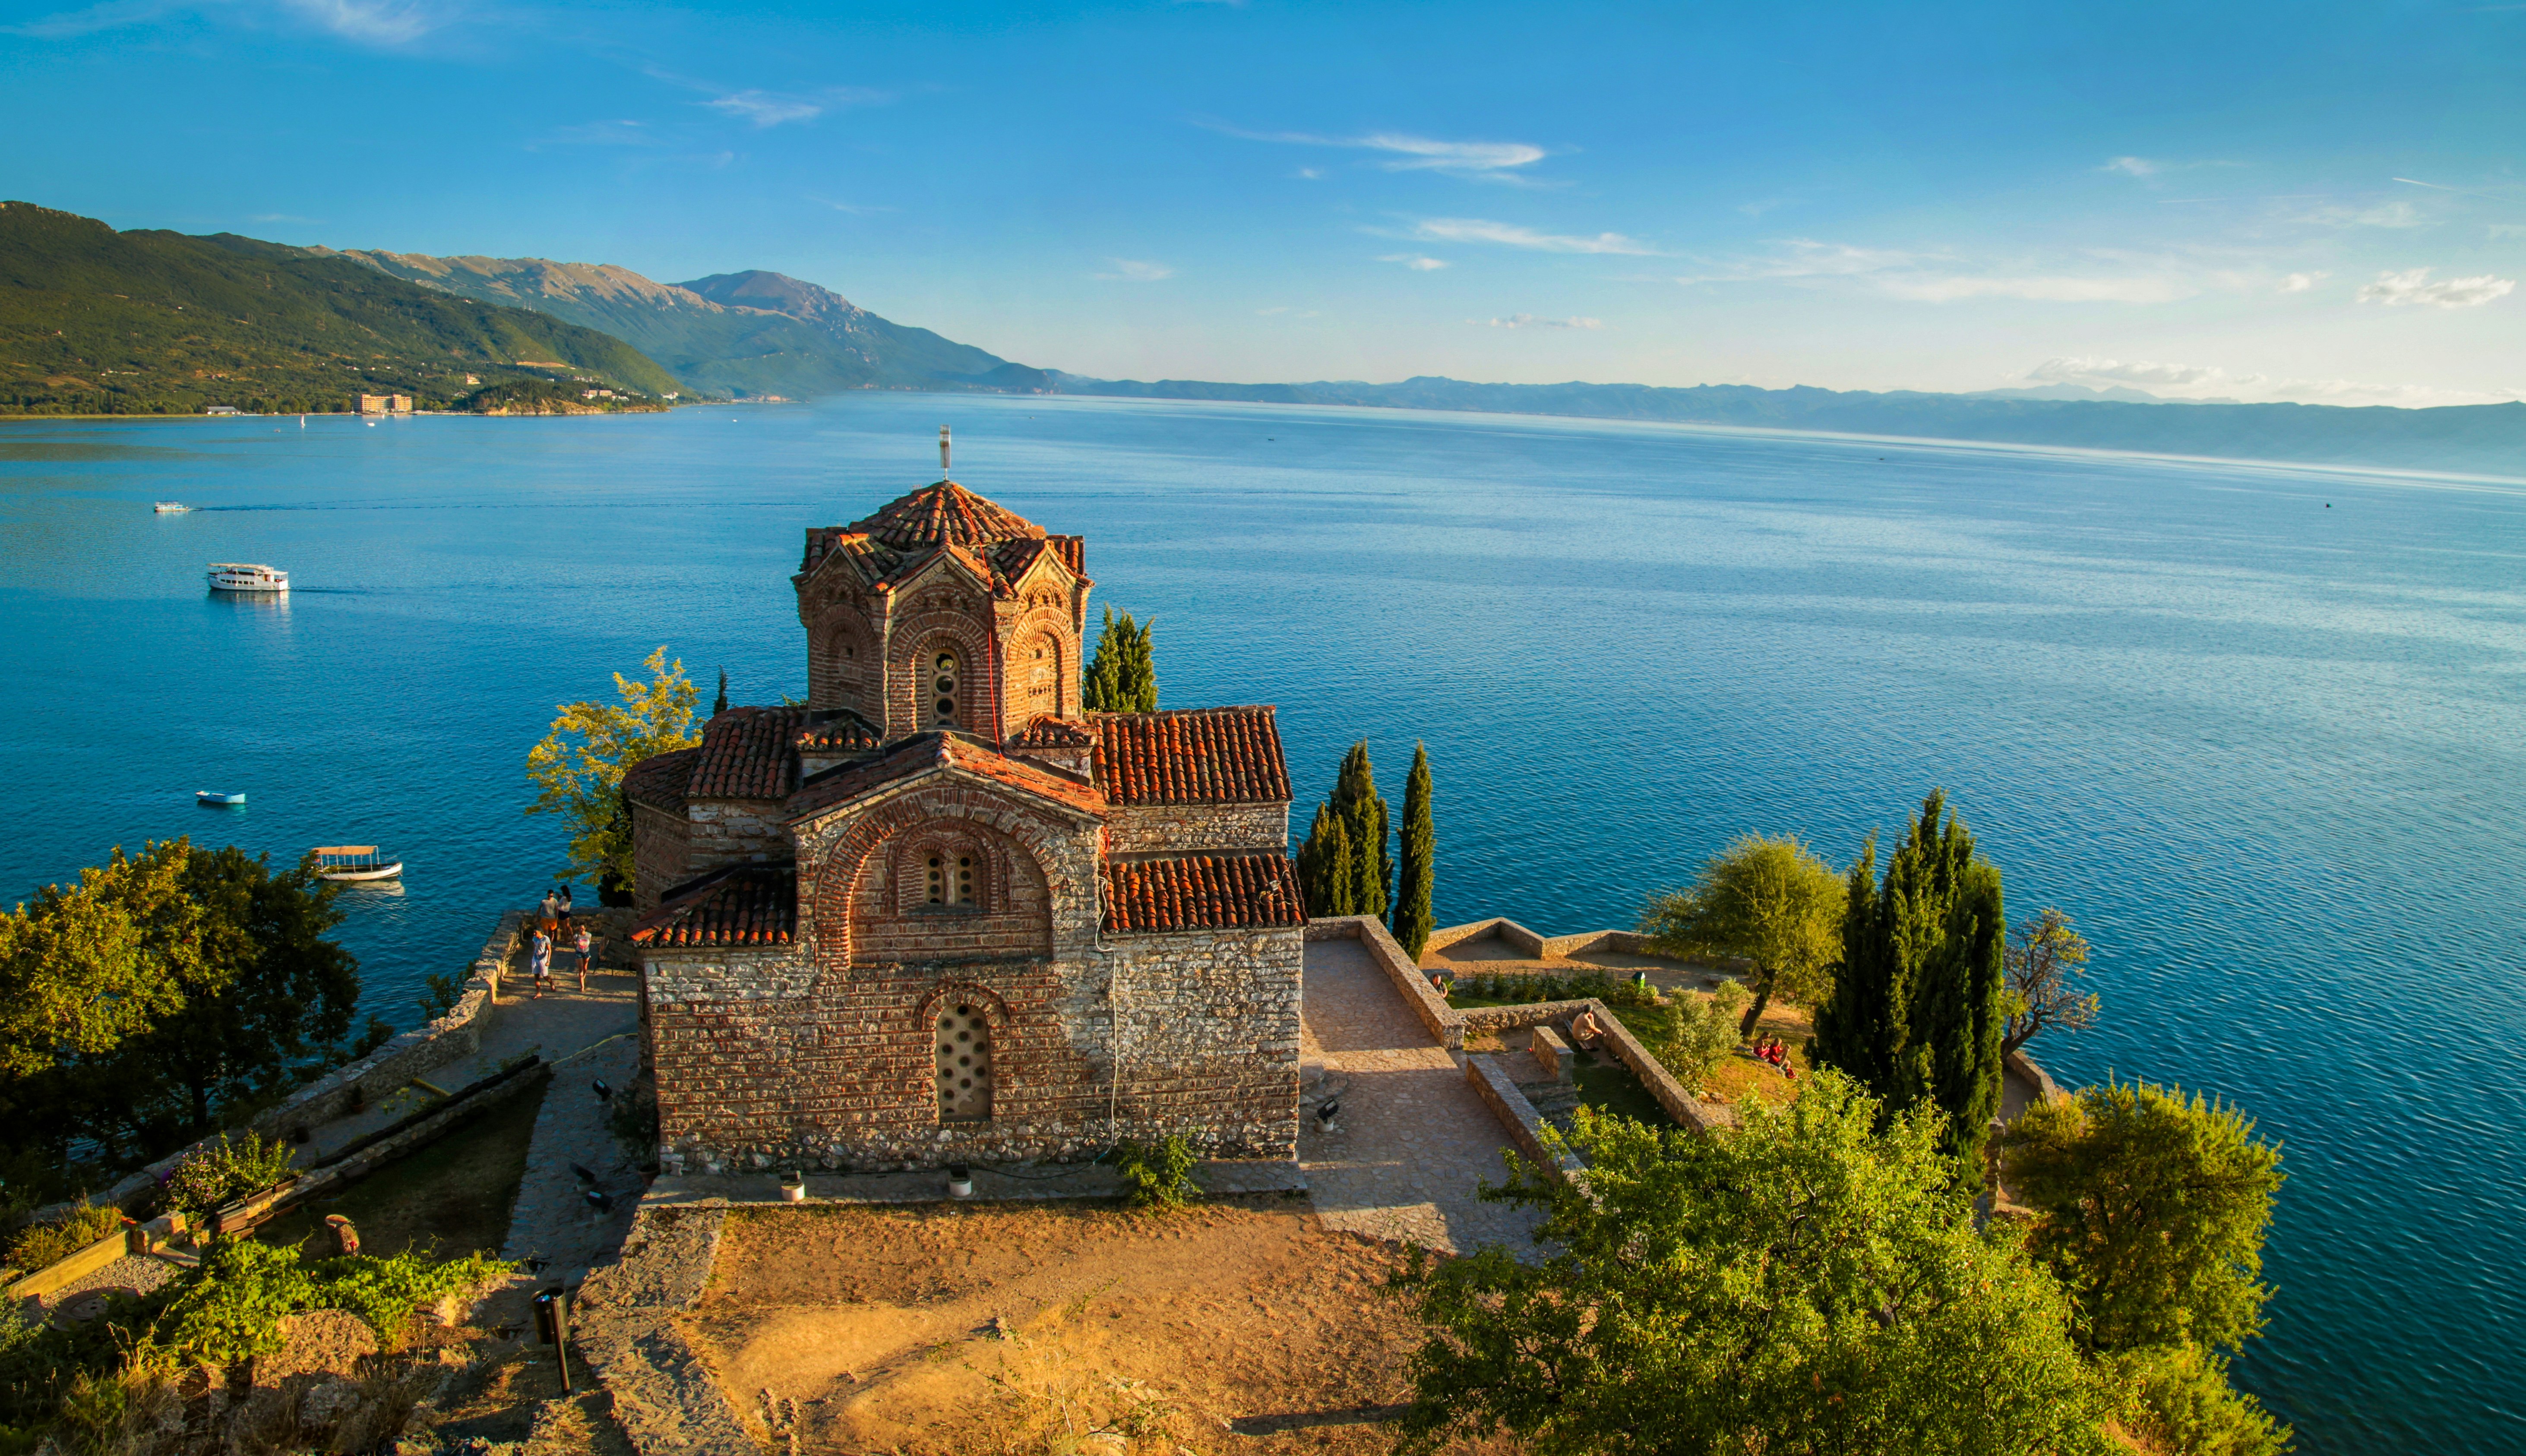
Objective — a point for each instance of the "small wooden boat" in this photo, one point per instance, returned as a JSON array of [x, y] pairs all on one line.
[[207, 796], [353, 862]]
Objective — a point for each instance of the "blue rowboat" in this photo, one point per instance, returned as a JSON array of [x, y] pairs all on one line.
[[205, 796]]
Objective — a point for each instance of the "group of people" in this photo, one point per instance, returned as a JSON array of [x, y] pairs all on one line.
[[552, 928], [1775, 1051]]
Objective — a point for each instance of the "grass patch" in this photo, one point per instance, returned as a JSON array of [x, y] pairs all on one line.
[[451, 1196]]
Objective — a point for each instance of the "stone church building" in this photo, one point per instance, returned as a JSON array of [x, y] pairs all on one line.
[[940, 913]]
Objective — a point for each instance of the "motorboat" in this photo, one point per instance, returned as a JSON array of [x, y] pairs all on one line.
[[353, 862], [240, 576], [215, 799], [171, 508]]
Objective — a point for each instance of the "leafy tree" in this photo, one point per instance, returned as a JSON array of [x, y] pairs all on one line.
[[1769, 901], [2044, 961], [84, 965], [267, 1005], [582, 782], [1918, 1001], [1363, 810], [1413, 917], [1326, 866], [1701, 1032], [2151, 1210], [1809, 1284], [1122, 674], [2177, 1399]]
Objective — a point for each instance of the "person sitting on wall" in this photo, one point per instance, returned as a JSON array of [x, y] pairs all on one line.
[[1586, 1030], [1444, 981]]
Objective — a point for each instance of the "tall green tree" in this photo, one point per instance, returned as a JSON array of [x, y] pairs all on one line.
[[578, 769], [1122, 676], [84, 966], [1415, 869], [1770, 901], [2152, 1209], [1808, 1284], [1363, 810], [1327, 871], [1920, 998]]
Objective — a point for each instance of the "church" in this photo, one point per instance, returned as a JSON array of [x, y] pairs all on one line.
[[940, 913]]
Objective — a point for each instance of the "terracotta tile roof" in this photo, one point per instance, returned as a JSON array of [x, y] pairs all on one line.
[[839, 729], [1202, 892], [1073, 551], [659, 782], [746, 754], [944, 513], [739, 905], [1192, 756], [930, 752], [1055, 732]]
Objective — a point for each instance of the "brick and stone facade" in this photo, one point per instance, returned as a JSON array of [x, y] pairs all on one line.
[[938, 913]]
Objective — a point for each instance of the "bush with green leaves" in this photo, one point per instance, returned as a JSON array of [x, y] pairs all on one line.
[[2177, 1399], [1157, 1175], [221, 1170], [232, 1307], [1702, 1031], [49, 1243]]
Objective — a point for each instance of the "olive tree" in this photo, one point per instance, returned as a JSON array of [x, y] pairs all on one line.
[[1770, 901]]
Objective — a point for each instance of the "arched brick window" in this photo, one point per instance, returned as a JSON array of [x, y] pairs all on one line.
[[964, 1062], [954, 876], [1041, 674], [941, 688]]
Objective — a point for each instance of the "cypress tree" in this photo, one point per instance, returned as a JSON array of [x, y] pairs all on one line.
[[1918, 1003], [1356, 800], [1412, 913], [1139, 670], [719, 704], [1326, 871], [1122, 676]]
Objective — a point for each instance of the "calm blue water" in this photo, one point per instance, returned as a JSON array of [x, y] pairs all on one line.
[[2267, 752]]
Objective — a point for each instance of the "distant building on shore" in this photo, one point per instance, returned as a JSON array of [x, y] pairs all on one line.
[[222, 409], [383, 404]]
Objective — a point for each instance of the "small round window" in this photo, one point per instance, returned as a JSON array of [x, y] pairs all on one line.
[[943, 681]]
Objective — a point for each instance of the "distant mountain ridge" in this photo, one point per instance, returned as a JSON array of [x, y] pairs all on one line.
[[747, 334]]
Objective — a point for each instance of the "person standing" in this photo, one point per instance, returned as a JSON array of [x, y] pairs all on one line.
[[586, 953], [539, 959]]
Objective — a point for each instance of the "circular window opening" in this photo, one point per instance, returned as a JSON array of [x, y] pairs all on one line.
[[946, 707]]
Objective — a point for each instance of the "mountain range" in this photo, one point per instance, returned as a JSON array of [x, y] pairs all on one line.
[[160, 319]]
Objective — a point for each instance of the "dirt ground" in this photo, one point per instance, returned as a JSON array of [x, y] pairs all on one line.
[[1238, 1326], [1738, 1075]]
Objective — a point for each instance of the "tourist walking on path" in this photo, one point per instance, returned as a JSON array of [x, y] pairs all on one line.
[[539, 959], [586, 953]]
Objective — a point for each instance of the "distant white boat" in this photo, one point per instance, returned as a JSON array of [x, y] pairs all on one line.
[[353, 862], [171, 508], [213, 796], [240, 576]]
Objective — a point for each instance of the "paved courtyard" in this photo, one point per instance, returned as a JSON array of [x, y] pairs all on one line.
[[1415, 1141]]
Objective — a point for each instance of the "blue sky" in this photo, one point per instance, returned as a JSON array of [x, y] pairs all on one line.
[[2258, 201]]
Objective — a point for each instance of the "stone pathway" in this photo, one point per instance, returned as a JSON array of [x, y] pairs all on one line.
[[1415, 1141]]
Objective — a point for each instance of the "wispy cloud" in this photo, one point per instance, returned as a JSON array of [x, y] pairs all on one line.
[[2038, 287], [772, 108], [2300, 282], [1530, 321], [1415, 261], [1945, 278], [374, 23], [1479, 161], [2181, 382], [2375, 215], [387, 22], [1136, 271], [1804, 258], [282, 218], [2412, 287], [2134, 166], [1511, 235], [855, 209]]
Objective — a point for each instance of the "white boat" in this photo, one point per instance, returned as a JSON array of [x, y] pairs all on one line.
[[240, 576], [353, 862], [213, 797], [171, 508]]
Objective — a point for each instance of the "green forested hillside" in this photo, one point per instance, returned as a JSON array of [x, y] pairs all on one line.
[[98, 322]]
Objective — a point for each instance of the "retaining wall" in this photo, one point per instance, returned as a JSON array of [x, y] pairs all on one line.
[[1538, 946], [1526, 1127]]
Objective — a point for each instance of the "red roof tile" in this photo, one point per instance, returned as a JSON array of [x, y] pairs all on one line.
[[1055, 732], [741, 905], [841, 730], [746, 754], [1192, 756], [944, 513], [935, 751], [659, 780], [1202, 892]]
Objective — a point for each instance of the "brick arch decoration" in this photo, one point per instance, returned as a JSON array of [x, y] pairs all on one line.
[[1049, 631], [914, 640], [842, 658], [907, 873], [841, 864], [969, 993]]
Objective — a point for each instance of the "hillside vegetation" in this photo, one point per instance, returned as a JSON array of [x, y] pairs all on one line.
[[98, 322]]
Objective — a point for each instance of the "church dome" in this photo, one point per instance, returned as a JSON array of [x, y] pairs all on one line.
[[947, 515]]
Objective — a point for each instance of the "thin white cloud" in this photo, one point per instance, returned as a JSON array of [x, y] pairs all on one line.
[[1479, 161], [2134, 166], [2194, 382], [774, 108], [1530, 321], [1310, 174], [375, 22], [2412, 287], [1415, 261], [282, 218], [2300, 282], [2038, 287], [1511, 235], [855, 209], [1805, 258], [1945, 278], [1136, 271], [2380, 215]]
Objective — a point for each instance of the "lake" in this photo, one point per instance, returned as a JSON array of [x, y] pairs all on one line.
[[2261, 732]]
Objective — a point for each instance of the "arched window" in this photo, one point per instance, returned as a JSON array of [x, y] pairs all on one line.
[[951, 879], [944, 678], [964, 1064]]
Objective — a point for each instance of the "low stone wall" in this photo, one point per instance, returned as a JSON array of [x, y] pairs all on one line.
[[1537, 947], [1443, 1021], [2022, 1067], [1517, 1115]]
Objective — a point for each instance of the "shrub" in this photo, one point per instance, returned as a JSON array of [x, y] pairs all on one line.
[[1703, 1033], [386, 1292], [2177, 1399], [49, 1243], [1157, 1175], [232, 1307], [221, 1172]]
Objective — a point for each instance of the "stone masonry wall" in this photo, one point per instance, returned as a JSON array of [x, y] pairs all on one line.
[[1153, 828], [661, 844], [734, 832], [1210, 1039]]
